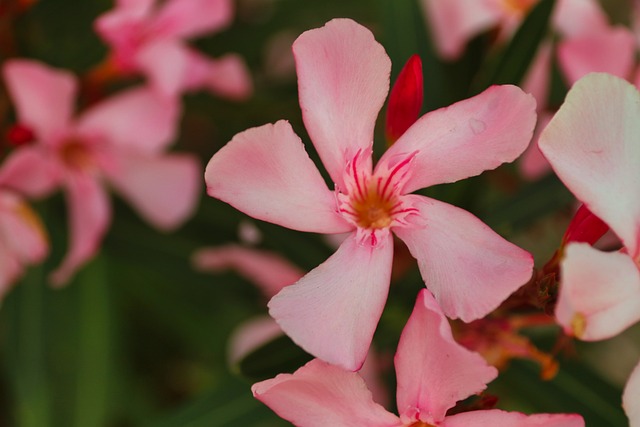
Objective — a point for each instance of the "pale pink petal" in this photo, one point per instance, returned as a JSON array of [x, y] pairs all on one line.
[[124, 29], [532, 164], [136, 119], [599, 293], [321, 395], [333, 311], [631, 398], [537, 81], [22, 232], [138, 6], [228, 76], [192, 18], [166, 64], [251, 335], [31, 171], [164, 189], [498, 418], [266, 173], [454, 22], [342, 87], [43, 96], [592, 145], [89, 216], [469, 268], [576, 18], [611, 51], [372, 372], [267, 270], [467, 138], [433, 371]]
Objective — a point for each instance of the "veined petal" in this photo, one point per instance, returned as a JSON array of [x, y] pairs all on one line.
[[469, 268], [164, 188], [599, 293], [498, 418], [455, 22], [333, 311], [89, 217], [266, 173], [43, 96], [611, 51], [321, 395], [630, 401], [138, 119], [342, 87], [29, 170], [192, 18], [433, 371], [468, 137], [592, 144], [269, 271]]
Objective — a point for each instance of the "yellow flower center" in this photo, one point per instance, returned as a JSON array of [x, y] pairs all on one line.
[[372, 209], [76, 155], [578, 325]]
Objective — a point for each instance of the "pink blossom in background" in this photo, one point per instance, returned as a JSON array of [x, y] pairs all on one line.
[[149, 37], [120, 141], [433, 373], [23, 240], [593, 146], [265, 172]]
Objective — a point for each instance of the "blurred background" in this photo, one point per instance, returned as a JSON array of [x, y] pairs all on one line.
[[141, 338]]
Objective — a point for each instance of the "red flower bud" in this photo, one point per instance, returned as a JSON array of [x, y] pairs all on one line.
[[405, 100]]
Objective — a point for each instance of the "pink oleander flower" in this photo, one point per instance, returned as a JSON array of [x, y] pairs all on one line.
[[433, 373], [265, 172], [23, 240], [148, 37], [592, 145], [120, 141], [454, 22]]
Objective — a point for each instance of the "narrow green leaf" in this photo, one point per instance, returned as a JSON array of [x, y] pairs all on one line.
[[25, 351], [514, 61], [94, 352]]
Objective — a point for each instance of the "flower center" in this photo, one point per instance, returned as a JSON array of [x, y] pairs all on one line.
[[371, 209], [518, 7], [76, 155], [420, 424]]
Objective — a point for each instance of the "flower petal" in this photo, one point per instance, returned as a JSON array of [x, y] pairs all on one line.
[[22, 232], [266, 173], [251, 335], [29, 170], [611, 51], [227, 76], [192, 18], [576, 18], [269, 271], [320, 395], [630, 401], [455, 22], [333, 311], [166, 63], [537, 81], [498, 418], [468, 137], [43, 96], [433, 370], [469, 268], [532, 164], [342, 87], [136, 119], [165, 189], [89, 217], [599, 293], [592, 144]]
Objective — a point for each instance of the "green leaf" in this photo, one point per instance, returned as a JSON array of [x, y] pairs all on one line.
[[275, 357], [513, 63], [25, 352]]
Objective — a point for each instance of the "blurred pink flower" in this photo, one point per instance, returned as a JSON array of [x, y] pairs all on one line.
[[23, 240], [265, 172], [433, 373], [148, 37], [122, 141], [592, 145]]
